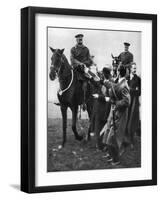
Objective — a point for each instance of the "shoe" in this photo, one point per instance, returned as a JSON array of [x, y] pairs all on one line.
[[115, 163], [109, 158]]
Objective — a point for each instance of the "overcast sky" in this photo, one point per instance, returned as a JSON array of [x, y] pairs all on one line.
[[101, 44]]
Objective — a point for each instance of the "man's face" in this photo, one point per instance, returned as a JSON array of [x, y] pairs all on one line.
[[133, 69], [79, 40], [126, 48]]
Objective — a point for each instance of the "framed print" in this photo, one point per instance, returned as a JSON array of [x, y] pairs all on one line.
[[88, 99]]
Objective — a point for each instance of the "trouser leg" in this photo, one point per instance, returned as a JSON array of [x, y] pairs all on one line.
[[114, 150]]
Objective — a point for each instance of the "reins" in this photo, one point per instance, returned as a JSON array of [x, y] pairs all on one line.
[[62, 91]]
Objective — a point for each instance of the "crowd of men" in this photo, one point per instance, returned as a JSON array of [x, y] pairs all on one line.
[[123, 89]]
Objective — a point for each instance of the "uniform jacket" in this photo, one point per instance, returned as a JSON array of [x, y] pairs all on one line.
[[80, 54], [126, 58]]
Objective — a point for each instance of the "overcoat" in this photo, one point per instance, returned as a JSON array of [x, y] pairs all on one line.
[[126, 58], [117, 120], [133, 114]]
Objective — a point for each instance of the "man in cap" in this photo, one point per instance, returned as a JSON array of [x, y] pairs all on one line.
[[134, 82], [115, 128], [126, 57], [81, 60], [80, 53]]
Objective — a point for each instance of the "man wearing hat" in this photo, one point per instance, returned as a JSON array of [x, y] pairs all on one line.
[[80, 53], [115, 128], [81, 60], [126, 57]]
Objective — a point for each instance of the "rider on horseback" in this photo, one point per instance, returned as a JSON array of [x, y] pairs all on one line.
[[81, 61], [126, 58]]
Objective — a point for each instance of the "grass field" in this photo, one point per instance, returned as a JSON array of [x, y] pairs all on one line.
[[81, 155]]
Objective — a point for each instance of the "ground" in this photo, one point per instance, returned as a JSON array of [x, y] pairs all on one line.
[[78, 155]]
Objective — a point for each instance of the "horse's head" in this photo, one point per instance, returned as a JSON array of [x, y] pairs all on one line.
[[56, 61], [115, 62]]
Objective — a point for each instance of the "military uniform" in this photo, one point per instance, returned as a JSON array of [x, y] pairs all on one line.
[[80, 54], [126, 58]]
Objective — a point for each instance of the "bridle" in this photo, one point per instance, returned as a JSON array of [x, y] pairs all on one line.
[[59, 66], [57, 74]]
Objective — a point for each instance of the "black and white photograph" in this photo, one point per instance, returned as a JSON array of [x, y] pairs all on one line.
[[89, 89], [94, 99]]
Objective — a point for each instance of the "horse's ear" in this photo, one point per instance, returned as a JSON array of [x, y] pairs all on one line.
[[112, 56], [61, 51], [53, 50]]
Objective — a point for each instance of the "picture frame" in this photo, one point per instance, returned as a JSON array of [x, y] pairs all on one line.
[[29, 91]]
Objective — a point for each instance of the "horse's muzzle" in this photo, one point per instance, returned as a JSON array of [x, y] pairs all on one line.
[[52, 73]]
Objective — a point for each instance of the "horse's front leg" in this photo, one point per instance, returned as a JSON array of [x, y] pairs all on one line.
[[74, 122], [64, 123]]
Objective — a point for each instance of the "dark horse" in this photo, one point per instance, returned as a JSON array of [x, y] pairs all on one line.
[[71, 93]]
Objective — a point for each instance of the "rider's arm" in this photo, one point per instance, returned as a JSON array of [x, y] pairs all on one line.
[[88, 61]]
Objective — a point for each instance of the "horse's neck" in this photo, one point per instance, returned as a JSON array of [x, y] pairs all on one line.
[[65, 73]]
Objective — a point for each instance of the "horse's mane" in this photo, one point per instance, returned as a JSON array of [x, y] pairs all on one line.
[[65, 61]]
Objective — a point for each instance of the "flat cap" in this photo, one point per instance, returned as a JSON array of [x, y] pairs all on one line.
[[79, 35], [126, 44]]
